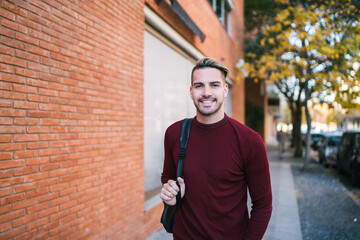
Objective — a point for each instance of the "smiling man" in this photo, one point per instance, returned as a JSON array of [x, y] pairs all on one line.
[[223, 160]]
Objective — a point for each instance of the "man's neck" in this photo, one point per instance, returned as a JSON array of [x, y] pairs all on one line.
[[214, 118]]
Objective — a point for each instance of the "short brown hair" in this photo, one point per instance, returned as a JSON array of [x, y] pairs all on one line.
[[210, 63]]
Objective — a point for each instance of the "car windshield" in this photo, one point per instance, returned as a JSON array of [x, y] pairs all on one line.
[[334, 140]]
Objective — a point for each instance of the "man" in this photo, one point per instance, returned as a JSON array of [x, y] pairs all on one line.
[[223, 159]]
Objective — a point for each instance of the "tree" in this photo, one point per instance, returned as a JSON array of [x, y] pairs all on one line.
[[310, 50]]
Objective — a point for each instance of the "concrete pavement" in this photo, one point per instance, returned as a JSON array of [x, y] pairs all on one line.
[[284, 223]]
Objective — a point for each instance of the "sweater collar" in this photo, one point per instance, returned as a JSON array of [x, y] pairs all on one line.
[[213, 125]]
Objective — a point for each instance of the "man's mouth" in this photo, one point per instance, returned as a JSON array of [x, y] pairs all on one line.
[[207, 101]]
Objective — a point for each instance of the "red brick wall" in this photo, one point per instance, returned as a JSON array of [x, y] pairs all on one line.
[[71, 120], [217, 44]]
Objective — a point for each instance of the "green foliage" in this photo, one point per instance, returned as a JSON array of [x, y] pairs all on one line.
[[310, 49]]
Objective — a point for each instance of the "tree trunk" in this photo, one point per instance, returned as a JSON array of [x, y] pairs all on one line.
[[308, 139], [296, 119]]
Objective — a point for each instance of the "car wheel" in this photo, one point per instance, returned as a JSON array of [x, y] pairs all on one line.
[[355, 176]]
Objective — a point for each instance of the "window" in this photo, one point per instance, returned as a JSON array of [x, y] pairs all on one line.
[[222, 10]]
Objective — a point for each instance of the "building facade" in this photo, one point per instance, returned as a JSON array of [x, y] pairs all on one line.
[[87, 89]]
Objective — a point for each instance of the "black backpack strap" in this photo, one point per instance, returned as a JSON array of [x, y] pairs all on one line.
[[184, 136]]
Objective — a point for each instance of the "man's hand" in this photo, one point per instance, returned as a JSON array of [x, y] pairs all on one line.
[[170, 190]]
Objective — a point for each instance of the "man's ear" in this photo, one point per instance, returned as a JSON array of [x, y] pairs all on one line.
[[226, 90]]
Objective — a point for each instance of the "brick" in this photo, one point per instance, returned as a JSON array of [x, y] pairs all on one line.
[[25, 121], [15, 9], [6, 14], [4, 67], [37, 223], [13, 232], [49, 107], [12, 129], [6, 174], [26, 137], [26, 55], [50, 166], [37, 161], [48, 137], [37, 177], [5, 226], [12, 95], [36, 129], [26, 72], [58, 144], [11, 164], [5, 86], [58, 172], [37, 192], [48, 92], [37, 145], [68, 178], [13, 25], [5, 192], [5, 138], [37, 83], [48, 152], [49, 46], [25, 105], [48, 197], [59, 201], [12, 60], [25, 171], [37, 208], [24, 88], [24, 187], [29, 23], [12, 78], [24, 204], [25, 154], [6, 102], [48, 182], [37, 114], [28, 235], [13, 43], [38, 67], [12, 199], [37, 98], [39, 19], [5, 209], [12, 112], [26, 38], [39, 51], [24, 220], [7, 32], [68, 191], [67, 219], [12, 146], [48, 227]]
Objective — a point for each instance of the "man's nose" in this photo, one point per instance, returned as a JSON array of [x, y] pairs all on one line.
[[206, 91]]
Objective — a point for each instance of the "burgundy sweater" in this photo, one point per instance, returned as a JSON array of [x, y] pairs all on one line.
[[222, 161]]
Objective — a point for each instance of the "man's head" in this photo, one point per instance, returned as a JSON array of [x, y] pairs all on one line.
[[209, 89], [210, 63]]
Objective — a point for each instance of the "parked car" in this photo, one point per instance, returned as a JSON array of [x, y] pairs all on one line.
[[328, 148], [348, 155], [316, 140]]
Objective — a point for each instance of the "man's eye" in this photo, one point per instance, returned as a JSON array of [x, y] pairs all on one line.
[[198, 86], [215, 85]]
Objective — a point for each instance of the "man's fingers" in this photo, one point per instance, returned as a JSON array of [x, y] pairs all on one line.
[[173, 186], [180, 180]]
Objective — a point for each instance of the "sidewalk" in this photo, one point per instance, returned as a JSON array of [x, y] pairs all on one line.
[[284, 223]]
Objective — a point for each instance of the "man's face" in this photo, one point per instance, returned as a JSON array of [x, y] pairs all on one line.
[[208, 91]]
